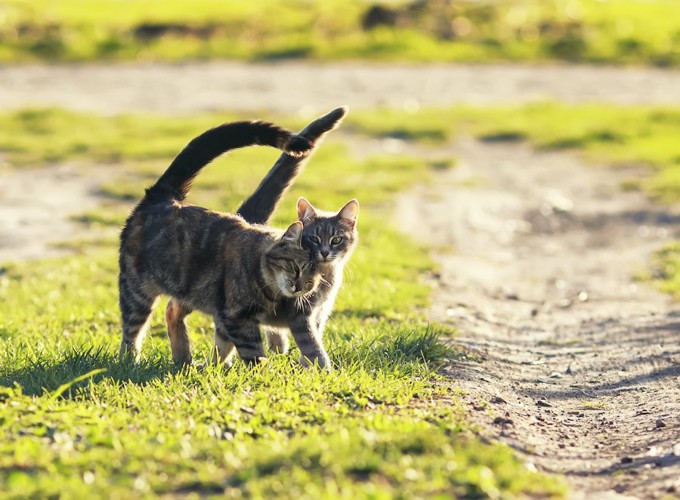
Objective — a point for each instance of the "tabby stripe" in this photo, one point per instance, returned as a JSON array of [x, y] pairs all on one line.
[[222, 334], [263, 285]]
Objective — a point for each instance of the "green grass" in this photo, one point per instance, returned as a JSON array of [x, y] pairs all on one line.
[[620, 32], [78, 422], [665, 270], [40, 136]]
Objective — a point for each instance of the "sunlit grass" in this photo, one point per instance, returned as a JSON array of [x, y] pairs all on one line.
[[78, 422], [665, 270], [624, 31]]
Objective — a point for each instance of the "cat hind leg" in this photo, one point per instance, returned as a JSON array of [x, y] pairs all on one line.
[[175, 318]]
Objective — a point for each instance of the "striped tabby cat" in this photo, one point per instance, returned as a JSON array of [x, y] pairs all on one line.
[[330, 237], [240, 273]]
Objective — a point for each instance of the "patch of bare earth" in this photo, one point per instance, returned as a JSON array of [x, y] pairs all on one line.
[[579, 363], [36, 207], [314, 87]]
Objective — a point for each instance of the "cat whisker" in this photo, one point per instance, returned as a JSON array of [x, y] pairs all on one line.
[[350, 273]]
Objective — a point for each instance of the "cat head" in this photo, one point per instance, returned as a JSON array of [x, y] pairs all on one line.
[[330, 237], [293, 273]]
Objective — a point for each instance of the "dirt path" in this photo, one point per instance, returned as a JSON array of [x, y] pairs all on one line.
[[314, 88], [36, 205], [580, 366]]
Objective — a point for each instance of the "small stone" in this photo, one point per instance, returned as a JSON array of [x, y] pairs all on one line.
[[660, 423], [502, 421], [543, 404], [498, 400], [626, 460], [555, 375]]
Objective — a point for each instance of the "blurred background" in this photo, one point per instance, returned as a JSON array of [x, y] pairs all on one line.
[[619, 32]]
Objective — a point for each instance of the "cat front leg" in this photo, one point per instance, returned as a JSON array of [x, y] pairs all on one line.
[[245, 336], [135, 308], [308, 340], [224, 350]]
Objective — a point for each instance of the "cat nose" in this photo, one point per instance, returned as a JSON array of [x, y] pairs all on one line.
[[324, 253]]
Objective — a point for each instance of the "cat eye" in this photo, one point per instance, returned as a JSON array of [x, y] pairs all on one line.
[[315, 239], [336, 240]]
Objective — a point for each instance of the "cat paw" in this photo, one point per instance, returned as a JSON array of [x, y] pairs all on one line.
[[182, 362], [262, 360], [321, 362]]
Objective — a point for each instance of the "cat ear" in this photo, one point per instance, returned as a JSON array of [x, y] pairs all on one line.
[[305, 210], [349, 213], [294, 233]]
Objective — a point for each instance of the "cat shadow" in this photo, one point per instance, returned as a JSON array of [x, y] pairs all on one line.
[[78, 367]]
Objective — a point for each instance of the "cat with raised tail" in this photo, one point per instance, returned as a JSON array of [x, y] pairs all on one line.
[[242, 274], [330, 238]]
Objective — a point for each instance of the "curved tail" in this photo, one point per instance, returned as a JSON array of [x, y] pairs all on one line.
[[177, 179], [260, 205]]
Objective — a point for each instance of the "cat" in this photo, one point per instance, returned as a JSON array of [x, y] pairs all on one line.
[[320, 229], [332, 238], [240, 273]]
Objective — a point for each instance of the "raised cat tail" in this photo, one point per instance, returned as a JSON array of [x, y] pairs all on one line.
[[260, 205], [177, 179]]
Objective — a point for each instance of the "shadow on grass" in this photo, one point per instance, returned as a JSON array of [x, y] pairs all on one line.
[[399, 350], [404, 351], [48, 375]]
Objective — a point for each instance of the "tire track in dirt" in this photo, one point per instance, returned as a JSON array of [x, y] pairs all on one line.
[[580, 363]]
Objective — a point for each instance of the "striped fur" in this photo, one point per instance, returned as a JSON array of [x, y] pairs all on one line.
[[331, 239], [260, 206], [213, 262], [325, 226]]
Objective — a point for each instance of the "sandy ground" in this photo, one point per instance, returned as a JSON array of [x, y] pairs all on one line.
[[36, 205], [579, 364], [314, 88]]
